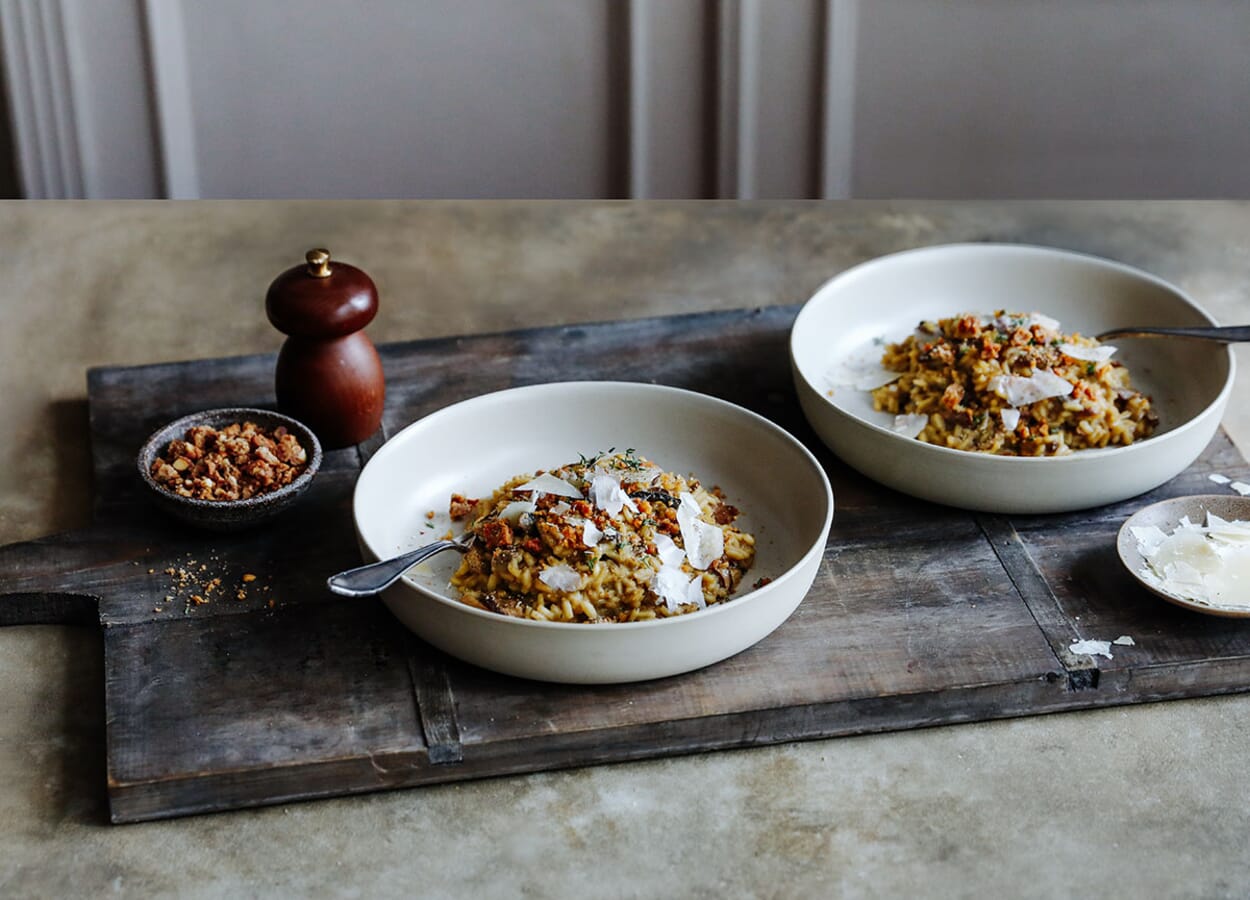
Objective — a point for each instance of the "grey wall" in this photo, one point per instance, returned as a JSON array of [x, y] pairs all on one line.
[[643, 98]]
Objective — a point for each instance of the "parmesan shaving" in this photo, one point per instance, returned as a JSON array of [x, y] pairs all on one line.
[[1019, 390], [1009, 323], [676, 589], [1219, 479], [1091, 648], [561, 577], [550, 484], [1089, 354], [514, 510], [670, 554], [607, 494], [704, 541], [1207, 564], [1241, 487], [909, 424], [1011, 418], [591, 534], [863, 373]]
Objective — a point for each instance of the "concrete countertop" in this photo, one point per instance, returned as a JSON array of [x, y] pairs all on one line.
[[1149, 800]]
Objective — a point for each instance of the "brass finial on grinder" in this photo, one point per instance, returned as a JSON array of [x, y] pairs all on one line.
[[318, 263]]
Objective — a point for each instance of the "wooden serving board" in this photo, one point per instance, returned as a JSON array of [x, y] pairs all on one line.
[[920, 614]]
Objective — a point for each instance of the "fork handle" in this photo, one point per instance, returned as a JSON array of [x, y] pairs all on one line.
[[373, 578], [1229, 334]]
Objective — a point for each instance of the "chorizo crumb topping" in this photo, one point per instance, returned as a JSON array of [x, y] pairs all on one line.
[[239, 461]]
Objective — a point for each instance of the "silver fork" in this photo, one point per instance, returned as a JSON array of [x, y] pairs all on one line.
[[366, 580], [1230, 334]]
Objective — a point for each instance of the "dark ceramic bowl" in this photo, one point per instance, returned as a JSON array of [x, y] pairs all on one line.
[[228, 515]]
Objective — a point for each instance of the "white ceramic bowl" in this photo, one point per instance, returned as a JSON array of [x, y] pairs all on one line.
[[884, 299], [475, 446]]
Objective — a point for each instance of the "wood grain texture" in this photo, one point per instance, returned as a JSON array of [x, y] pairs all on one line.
[[273, 689]]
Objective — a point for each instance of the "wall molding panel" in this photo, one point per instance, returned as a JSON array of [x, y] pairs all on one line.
[[737, 84], [42, 98], [837, 126], [639, 93], [166, 37]]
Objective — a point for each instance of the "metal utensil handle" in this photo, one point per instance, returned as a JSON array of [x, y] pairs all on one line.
[[366, 580], [1230, 334]]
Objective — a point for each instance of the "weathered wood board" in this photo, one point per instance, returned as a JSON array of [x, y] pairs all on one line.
[[920, 614]]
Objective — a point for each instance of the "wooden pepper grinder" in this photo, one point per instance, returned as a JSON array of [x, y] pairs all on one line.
[[329, 375]]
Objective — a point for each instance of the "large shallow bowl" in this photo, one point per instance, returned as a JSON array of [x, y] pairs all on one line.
[[884, 299], [474, 446]]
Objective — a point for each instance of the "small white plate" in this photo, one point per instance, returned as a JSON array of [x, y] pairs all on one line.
[[1167, 515], [475, 446], [883, 300]]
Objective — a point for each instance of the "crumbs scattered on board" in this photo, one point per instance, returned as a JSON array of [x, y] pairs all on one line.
[[196, 582], [1099, 648]]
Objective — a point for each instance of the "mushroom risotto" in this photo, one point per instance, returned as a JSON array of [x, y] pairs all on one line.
[[1011, 384], [610, 538]]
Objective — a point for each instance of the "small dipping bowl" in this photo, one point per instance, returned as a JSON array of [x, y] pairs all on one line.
[[1166, 515], [228, 515]]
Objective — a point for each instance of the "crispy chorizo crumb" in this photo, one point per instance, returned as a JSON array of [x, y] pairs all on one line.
[[460, 507], [239, 461]]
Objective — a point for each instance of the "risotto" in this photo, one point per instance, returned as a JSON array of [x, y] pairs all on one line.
[[1012, 384], [610, 538]]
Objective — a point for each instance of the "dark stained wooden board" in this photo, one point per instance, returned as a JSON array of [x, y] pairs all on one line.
[[919, 615]]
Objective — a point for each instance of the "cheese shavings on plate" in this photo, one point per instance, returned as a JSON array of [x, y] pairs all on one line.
[[1207, 564]]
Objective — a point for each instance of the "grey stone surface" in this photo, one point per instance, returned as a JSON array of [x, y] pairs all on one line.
[[1149, 800]]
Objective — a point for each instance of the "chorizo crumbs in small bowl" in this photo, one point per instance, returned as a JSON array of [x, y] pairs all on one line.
[[227, 469]]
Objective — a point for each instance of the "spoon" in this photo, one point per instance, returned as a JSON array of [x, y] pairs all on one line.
[[367, 580], [1231, 334]]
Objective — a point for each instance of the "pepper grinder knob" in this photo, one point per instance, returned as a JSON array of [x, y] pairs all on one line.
[[328, 375], [318, 263]]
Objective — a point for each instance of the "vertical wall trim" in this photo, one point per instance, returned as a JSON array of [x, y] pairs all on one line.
[[65, 100], [726, 98], [639, 13], [171, 91], [737, 56], [748, 95], [46, 127], [838, 108]]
